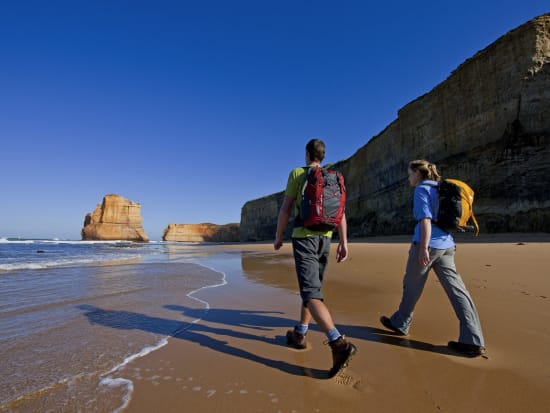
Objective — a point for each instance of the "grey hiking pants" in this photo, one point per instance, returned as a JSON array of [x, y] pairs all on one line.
[[443, 263]]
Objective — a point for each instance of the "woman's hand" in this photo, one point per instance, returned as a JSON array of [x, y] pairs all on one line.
[[423, 256]]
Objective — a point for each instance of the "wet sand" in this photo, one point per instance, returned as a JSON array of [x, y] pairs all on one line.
[[235, 358]]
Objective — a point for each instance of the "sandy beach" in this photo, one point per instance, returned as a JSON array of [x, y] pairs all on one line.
[[235, 358]]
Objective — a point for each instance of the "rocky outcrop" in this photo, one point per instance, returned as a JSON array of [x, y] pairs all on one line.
[[487, 124], [116, 218], [201, 233]]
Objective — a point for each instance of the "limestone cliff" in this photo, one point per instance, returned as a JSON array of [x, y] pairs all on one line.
[[487, 124], [116, 218], [259, 218], [201, 233]]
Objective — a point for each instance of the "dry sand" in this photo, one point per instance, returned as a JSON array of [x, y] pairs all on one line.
[[235, 358]]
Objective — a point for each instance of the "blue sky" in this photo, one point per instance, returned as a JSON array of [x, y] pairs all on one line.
[[194, 108]]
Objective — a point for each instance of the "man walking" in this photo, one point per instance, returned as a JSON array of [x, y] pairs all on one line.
[[311, 251]]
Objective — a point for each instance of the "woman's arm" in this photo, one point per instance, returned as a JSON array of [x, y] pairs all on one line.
[[425, 235]]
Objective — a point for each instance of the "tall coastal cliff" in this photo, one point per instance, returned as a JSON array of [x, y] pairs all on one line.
[[116, 218], [487, 124]]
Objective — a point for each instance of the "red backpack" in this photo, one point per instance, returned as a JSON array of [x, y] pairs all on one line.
[[323, 199]]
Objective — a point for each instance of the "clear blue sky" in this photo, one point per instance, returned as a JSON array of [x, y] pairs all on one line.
[[193, 108]]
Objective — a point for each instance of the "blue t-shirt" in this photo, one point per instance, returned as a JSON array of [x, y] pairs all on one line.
[[425, 205]]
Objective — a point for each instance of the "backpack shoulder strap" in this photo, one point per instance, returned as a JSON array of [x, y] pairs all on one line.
[[434, 203], [432, 185]]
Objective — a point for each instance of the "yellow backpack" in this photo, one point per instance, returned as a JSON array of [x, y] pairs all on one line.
[[456, 200]]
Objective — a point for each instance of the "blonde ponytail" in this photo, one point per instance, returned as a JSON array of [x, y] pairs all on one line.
[[427, 169]]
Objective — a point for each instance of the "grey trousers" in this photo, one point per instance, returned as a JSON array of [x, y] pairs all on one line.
[[443, 263]]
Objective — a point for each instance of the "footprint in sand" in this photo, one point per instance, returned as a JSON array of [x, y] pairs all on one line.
[[349, 378], [542, 297]]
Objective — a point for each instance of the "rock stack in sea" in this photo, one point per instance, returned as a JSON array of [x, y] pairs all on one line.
[[116, 218], [488, 124]]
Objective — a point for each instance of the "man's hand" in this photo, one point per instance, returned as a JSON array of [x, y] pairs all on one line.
[[278, 244], [342, 251]]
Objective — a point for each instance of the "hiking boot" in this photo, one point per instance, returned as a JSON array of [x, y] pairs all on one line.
[[469, 350], [295, 339], [342, 351], [386, 322]]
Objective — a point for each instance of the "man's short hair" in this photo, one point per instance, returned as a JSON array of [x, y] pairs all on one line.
[[316, 150]]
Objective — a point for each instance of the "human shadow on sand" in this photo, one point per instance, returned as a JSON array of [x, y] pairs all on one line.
[[388, 337], [263, 321], [196, 332]]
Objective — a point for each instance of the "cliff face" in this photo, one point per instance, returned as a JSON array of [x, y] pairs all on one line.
[[487, 124], [201, 233], [259, 218], [116, 218]]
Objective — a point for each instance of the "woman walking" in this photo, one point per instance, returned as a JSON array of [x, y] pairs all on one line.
[[433, 248]]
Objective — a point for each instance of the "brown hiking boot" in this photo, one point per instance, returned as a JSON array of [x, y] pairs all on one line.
[[468, 350], [342, 351], [295, 339]]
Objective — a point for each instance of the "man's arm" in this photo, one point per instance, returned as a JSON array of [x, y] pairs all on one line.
[[342, 250], [282, 220]]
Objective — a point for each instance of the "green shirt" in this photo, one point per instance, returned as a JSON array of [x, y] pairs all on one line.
[[294, 187]]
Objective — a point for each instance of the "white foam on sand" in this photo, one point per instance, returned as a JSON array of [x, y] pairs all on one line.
[[206, 303], [107, 380]]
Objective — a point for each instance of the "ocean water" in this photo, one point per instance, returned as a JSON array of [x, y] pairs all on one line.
[[68, 317]]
